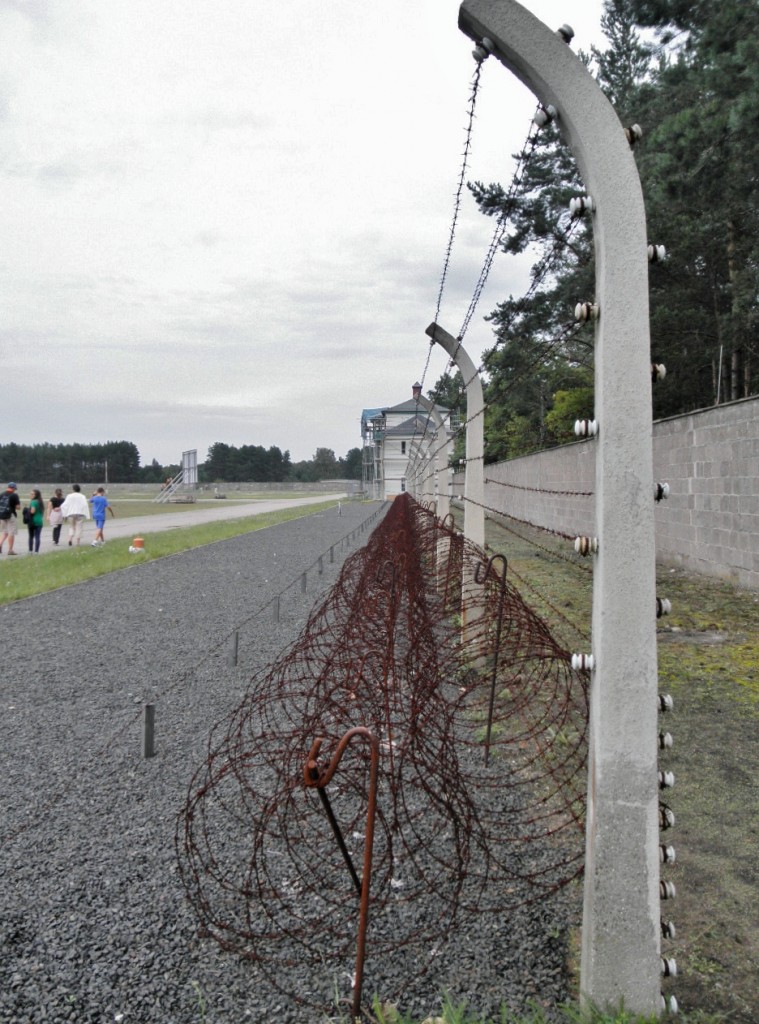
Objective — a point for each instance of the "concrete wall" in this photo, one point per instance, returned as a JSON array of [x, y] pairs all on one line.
[[710, 459]]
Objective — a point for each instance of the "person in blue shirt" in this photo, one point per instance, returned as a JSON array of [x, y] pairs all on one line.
[[100, 504]]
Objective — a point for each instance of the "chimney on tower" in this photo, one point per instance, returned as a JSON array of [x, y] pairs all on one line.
[[416, 390]]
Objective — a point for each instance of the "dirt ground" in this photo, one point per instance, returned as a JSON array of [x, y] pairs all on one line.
[[709, 663]]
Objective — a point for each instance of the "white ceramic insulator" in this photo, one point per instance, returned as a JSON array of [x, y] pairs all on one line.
[[544, 115], [479, 53], [634, 133], [566, 32], [667, 890], [669, 1004], [663, 607], [656, 254], [666, 818], [658, 371], [667, 855], [668, 930], [586, 428], [661, 491], [666, 702], [668, 967], [585, 311], [666, 780], [586, 545], [580, 205], [665, 741], [583, 662]]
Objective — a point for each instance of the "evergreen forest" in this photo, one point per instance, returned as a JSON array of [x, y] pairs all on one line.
[[119, 462], [686, 72]]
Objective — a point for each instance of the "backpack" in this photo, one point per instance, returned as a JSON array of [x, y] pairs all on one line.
[[26, 515], [5, 505]]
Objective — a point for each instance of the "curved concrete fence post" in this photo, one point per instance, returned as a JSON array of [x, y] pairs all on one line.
[[474, 480], [411, 470], [441, 449], [415, 470], [621, 918]]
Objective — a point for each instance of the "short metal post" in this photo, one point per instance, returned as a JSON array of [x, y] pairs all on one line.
[[148, 746], [303, 584], [234, 648], [276, 608], [321, 565]]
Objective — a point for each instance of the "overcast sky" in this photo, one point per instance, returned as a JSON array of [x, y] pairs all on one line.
[[226, 221]]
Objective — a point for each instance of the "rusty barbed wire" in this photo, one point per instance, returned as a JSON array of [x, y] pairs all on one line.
[[539, 490], [417, 646], [561, 534], [468, 134]]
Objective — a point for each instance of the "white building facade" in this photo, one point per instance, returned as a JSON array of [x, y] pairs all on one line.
[[393, 437]]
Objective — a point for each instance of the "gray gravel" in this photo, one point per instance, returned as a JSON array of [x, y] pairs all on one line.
[[94, 924]]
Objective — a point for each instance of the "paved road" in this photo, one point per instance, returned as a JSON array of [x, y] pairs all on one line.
[[193, 515]]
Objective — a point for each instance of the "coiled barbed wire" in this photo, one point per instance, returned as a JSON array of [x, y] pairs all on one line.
[[459, 828]]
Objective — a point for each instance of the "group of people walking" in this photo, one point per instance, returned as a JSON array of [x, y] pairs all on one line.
[[74, 508]]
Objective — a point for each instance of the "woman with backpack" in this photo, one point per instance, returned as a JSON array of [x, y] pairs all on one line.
[[35, 521], [9, 502]]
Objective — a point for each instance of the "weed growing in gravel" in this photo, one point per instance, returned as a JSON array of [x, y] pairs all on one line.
[[200, 995]]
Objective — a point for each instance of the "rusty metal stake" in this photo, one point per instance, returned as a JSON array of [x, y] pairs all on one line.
[[339, 837], [314, 777], [148, 744], [448, 524], [234, 648], [499, 624]]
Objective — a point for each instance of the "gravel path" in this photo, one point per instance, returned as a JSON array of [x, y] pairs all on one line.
[[94, 925]]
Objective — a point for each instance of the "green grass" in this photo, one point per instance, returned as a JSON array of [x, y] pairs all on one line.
[[386, 1013], [30, 576], [126, 506]]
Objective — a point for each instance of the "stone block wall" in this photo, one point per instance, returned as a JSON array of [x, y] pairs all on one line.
[[709, 458]]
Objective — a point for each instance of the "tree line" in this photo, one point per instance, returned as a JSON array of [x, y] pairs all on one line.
[[119, 462], [686, 72]]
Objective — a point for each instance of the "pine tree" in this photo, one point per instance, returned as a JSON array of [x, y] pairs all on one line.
[[699, 168]]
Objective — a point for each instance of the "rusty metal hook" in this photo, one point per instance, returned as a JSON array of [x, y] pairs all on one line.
[[490, 572]]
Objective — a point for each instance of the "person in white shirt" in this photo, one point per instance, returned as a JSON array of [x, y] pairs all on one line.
[[76, 510]]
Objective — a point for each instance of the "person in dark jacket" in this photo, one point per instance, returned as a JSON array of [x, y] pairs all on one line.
[[54, 514], [9, 503]]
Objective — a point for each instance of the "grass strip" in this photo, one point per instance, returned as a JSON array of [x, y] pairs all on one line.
[[27, 577]]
